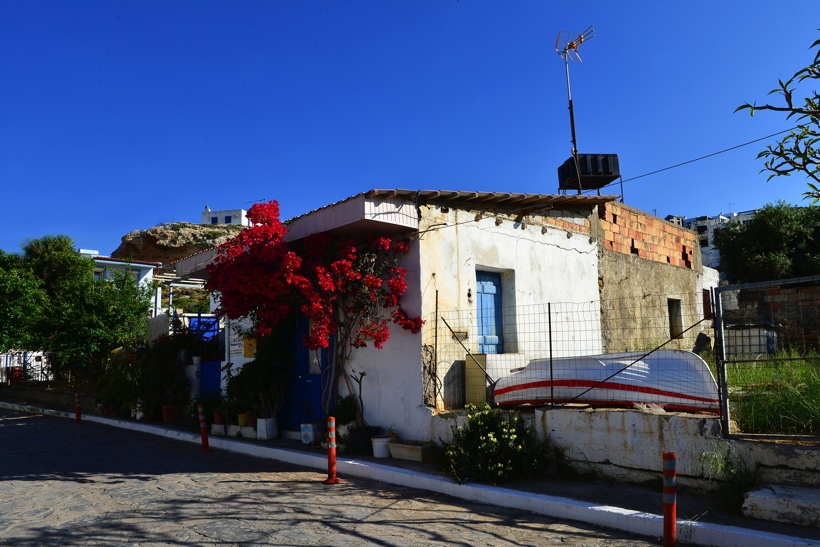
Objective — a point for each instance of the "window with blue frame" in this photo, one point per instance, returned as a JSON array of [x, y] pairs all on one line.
[[228, 219], [214, 220]]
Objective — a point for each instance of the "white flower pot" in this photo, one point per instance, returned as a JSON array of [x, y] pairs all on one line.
[[380, 448], [267, 428]]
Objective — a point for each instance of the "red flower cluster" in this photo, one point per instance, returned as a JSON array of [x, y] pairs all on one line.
[[331, 281]]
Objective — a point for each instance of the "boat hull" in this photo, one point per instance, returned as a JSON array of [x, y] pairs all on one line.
[[672, 379]]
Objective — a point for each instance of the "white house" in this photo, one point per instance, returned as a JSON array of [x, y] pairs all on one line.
[[228, 216], [142, 270], [511, 277]]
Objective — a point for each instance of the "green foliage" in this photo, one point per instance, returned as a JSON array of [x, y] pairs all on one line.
[[262, 384], [799, 151], [779, 242], [777, 396], [345, 410], [725, 464], [22, 300], [161, 377], [76, 319], [495, 449]]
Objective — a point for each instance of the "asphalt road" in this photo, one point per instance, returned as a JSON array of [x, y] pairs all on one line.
[[62, 484]]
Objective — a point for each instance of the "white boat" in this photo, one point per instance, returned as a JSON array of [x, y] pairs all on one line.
[[672, 379]]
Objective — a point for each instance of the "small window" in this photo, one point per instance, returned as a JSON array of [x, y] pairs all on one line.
[[707, 304], [228, 219], [675, 318], [214, 220], [704, 242]]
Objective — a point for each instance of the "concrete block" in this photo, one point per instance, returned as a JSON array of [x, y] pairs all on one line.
[[782, 503]]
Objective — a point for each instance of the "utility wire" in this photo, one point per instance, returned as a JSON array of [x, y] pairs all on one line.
[[704, 157], [436, 228]]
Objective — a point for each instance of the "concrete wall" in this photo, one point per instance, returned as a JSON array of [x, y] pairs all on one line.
[[628, 445], [548, 258], [392, 387]]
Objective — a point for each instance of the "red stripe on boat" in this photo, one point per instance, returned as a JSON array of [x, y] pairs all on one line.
[[601, 385]]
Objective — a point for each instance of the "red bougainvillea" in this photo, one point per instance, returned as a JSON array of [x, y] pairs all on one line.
[[349, 288]]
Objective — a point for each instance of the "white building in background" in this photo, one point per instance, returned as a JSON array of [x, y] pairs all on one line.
[[142, 270], [705, 227], [237, 217]]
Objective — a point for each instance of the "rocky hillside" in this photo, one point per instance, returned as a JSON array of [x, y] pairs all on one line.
[[173, 241]]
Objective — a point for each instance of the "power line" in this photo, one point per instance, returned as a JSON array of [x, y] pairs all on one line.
[[706, 156], [437, 227]]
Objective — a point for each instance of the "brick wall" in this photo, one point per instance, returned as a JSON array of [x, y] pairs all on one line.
[[633, 232]]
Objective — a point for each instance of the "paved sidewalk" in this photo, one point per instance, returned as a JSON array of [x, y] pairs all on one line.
[[542, 498], [96, 485]]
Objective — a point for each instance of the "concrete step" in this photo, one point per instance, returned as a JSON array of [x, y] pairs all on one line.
[[783, 503]]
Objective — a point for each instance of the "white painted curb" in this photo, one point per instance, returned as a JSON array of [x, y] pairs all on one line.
[[611, 517]]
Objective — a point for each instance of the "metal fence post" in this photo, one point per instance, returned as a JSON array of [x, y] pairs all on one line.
[[720, 359]]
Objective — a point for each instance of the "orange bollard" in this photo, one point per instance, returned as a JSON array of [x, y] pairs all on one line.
[[670, 503], [331, 452], [77, 411], [203, 430]]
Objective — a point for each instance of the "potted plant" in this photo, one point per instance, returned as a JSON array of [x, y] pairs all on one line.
[[380, 441], [259, 388], [345, 414], [361, 436]]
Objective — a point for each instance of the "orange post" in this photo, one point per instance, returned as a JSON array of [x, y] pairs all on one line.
[[77, 410], [670, 505], [203, 430], [331, 452]]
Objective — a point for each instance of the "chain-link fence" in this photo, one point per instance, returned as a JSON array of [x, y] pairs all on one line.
[[771, 353], [605, 352]]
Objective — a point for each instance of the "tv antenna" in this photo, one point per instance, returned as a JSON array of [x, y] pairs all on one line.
[[567, 47]]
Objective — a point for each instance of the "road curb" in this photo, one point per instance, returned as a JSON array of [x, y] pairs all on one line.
[[646, 524]]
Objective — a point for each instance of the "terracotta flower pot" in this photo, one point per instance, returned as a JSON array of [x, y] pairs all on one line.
[[171, 414], [250, 419], [219, 418]]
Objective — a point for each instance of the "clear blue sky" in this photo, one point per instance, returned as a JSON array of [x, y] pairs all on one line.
[[116, 116]]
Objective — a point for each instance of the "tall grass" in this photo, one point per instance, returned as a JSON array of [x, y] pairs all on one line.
[[775, 395]]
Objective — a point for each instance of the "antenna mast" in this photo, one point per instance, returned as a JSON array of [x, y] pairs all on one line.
[[567, 47]]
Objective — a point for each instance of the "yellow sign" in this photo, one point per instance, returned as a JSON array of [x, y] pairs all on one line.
[[250, 347]]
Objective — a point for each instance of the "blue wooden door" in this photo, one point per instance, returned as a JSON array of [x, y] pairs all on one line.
[[307, 381], [490, 327]]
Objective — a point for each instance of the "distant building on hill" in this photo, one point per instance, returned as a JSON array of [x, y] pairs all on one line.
[[227, 216]]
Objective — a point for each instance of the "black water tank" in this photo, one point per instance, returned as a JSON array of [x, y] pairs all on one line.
[[597, 170]]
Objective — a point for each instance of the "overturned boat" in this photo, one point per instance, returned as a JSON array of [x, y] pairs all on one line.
[[672, 379]]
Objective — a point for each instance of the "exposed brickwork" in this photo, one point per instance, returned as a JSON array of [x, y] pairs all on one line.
[[632, 232], [567, 225]]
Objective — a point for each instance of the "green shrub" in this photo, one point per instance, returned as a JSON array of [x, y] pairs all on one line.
[[495, 449], [736, 475]]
